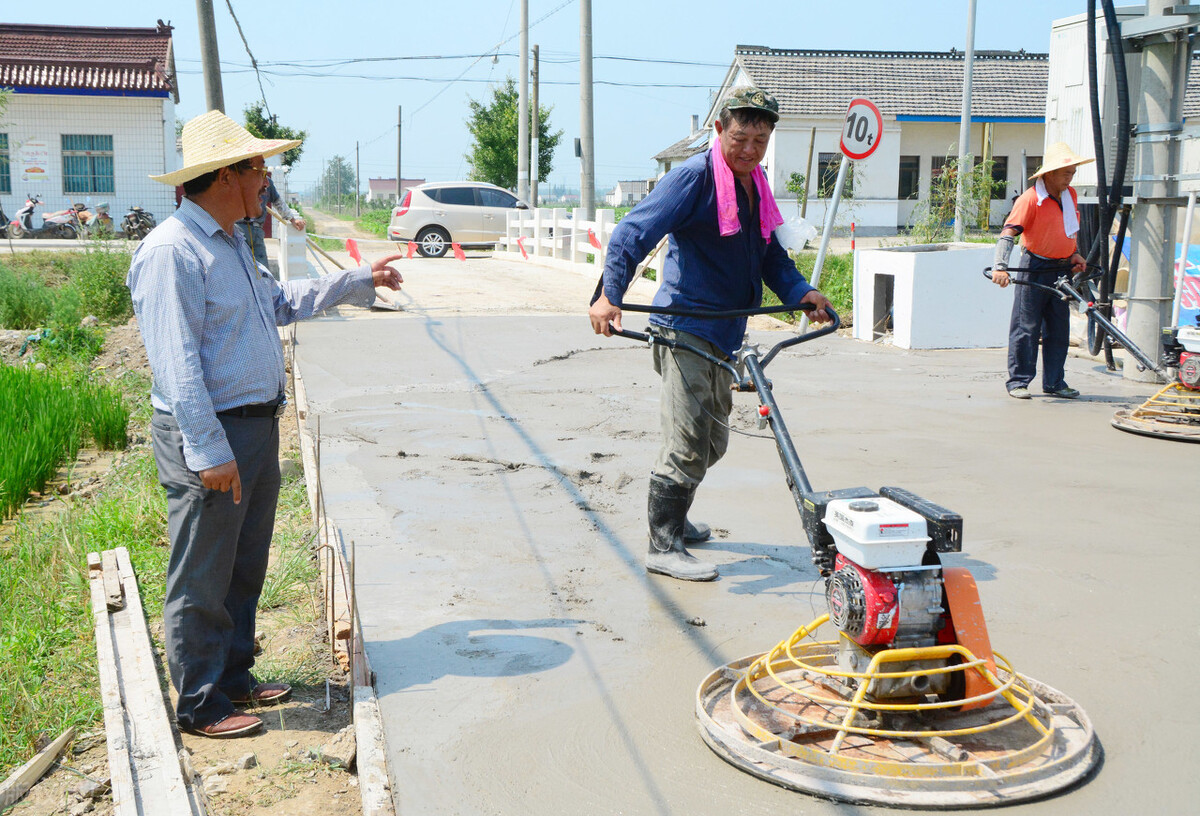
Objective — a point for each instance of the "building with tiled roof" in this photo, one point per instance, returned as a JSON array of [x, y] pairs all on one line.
[[90, 115], [628, 193], [384, 189], [919, 95]]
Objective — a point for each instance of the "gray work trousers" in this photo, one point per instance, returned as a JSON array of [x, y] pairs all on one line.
[[257, 240], [694, 410], [218, 564]]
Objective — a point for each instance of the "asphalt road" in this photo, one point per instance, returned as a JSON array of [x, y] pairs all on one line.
[[487, 455]]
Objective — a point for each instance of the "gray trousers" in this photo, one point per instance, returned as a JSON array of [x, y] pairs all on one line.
[[217, 567], [257, 240], [694, 410]]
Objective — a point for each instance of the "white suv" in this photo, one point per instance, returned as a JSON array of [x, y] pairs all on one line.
[[469, 213]]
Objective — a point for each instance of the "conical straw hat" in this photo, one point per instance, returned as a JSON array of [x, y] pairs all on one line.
[[213, 140], [1058, 156]]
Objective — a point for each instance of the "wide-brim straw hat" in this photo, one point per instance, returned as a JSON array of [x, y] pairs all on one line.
[[213, 140], [1058, 156]]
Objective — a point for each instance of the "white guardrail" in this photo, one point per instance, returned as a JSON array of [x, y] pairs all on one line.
[[552, 237]]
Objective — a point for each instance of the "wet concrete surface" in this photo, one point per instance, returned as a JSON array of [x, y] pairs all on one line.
[[488, 455]]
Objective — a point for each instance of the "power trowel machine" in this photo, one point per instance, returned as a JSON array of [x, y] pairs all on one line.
[[906, 703]]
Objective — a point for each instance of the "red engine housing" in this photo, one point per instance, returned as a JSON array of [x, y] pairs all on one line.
[[863, 604], [1189, 370]]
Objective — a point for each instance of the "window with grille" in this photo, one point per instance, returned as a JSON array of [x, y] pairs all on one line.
[[910, 177], [827, 172], [1032, 163], [999, 172], [5, 174], [87, 164]]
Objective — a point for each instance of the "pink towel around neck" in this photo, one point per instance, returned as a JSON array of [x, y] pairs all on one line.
[[769, 216]]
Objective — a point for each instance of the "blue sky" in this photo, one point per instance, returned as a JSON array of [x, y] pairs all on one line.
[[646, 107]]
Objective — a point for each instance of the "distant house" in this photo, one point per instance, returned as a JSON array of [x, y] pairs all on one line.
[[628, 193], [91, 116], [384, 189], [684, 149], [920, 97]]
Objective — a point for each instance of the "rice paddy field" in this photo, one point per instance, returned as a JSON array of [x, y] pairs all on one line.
[[45, 416]]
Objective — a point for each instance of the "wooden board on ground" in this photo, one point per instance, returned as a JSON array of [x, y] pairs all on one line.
[[142, 753], [22, 779]]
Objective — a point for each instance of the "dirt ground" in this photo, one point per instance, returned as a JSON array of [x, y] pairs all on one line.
[[290, 767]]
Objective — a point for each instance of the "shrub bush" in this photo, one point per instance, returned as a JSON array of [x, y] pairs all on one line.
[[25, 300], [99, 277]]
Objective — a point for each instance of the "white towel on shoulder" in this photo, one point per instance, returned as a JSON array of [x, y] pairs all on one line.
[[1070, 217]]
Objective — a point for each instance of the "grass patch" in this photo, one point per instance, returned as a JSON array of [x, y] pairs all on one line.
[[837, 283], [375, 222], [837, 277], [57, 289], [46, 639], [48, 648], [44, 419], [328, 244]]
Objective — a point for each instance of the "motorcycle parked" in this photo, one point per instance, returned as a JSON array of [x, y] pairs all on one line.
[[98, 224], [54, 226], [137, 223]]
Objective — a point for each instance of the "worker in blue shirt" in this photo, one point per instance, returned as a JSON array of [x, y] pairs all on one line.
[[721, 217]]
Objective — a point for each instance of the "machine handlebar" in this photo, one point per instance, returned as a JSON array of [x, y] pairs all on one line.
[[648, 337]]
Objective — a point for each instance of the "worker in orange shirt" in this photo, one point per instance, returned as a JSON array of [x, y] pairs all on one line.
[[1046, 217]]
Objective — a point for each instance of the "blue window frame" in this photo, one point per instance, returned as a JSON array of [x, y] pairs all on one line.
[[5, 173], [87, 164]]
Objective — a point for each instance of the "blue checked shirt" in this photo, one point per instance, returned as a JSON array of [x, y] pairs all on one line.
[[208, 316]]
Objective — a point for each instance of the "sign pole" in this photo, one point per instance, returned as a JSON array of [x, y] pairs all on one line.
[[830, 215], [860, 138]]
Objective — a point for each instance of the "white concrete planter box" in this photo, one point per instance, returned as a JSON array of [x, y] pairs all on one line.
[[936, 294]]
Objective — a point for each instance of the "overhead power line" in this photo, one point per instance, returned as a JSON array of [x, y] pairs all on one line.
[[460, 78], [253, 63]]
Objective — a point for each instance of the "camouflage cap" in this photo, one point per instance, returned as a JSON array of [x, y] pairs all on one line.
[[751, 98]]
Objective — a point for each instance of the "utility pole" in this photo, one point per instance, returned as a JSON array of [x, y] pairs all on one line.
[[357, 184], [533, 148], [210, 60], [587, 141], [523, 109], [399, 142], [812, 139], [964, 129], [1164, 71]]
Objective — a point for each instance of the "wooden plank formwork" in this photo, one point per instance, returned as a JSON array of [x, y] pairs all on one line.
[[142, 752]]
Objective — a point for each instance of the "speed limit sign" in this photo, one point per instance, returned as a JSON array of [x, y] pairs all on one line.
[[863, 127]]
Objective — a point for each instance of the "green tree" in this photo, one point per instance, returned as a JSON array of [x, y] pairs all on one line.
[[336, 186], [797, 185], [933, 219], [493, 126], [268, 127]]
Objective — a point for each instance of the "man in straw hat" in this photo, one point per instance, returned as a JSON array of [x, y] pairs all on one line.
[[207, 313], [721, 217], [1046, 217]]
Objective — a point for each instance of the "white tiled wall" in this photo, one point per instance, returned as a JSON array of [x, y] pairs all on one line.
[[139, 127]]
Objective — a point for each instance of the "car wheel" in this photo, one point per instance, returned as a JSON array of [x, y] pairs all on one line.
[[432, 242]]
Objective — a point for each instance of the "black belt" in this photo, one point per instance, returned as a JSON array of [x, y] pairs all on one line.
[[259, 410]]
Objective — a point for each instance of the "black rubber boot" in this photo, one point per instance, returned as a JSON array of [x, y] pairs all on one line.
[[695, 533], [667, 505]]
